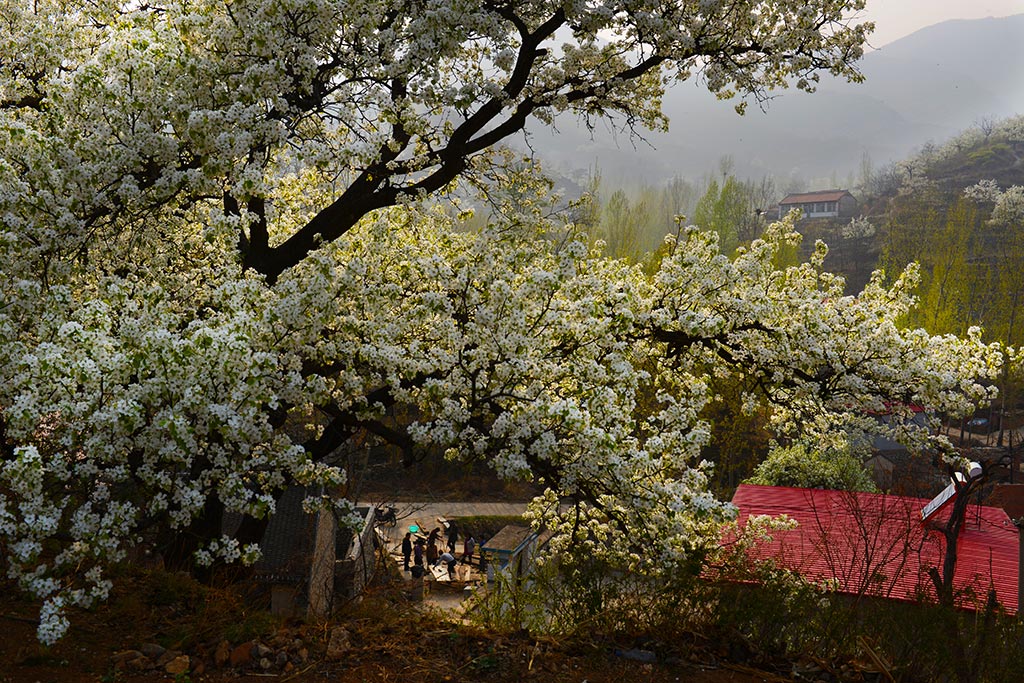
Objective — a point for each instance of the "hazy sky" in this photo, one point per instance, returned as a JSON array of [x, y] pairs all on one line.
[[897, 18]]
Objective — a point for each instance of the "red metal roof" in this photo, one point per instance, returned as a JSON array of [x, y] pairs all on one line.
[[822, 196], [875, 544]]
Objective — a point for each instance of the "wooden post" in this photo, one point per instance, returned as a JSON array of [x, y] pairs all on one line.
[[321, 572]]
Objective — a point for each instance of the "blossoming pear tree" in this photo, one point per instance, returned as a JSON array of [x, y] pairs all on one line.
[[125, 112], [222, 262]]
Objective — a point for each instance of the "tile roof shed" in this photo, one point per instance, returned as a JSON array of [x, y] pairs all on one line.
[[821, 196]]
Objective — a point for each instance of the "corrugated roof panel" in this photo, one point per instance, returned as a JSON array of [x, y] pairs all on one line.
[[876, 544]]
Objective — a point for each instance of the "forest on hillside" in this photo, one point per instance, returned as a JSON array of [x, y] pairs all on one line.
[[955, 209]]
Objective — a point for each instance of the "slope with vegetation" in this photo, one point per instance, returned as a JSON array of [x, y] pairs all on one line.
[[956, 209]]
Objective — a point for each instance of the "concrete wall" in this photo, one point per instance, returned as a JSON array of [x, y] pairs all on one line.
[[356, 566], [340, 573]]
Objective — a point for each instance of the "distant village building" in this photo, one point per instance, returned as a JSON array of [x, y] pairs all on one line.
[[821, 204]]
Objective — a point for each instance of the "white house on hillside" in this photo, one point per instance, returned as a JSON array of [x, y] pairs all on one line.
[[821, 204]]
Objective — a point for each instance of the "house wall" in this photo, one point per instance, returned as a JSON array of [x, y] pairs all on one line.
[[815, 209], [847, 206]]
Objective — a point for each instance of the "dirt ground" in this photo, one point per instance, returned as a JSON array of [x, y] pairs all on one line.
[[387, 640], [388, 637]]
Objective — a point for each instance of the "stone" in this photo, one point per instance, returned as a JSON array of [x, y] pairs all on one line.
[[198, 667], [125, 655], [123, 660], [338, 644], [222, 655], [152, 650], [142, 663], [179, 665], [303, 654], [263, 651], [266, 664], [282, 659], [241, 655], [167, 657]]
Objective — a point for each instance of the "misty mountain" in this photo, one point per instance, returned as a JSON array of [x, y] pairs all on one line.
[[927, 86]]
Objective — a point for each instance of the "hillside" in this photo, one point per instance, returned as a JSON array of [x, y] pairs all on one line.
[[998, 159], [936, 178]]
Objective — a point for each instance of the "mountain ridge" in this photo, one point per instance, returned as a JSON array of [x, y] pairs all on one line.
[[926, 86]]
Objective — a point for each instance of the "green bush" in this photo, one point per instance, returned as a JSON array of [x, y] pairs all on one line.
[[808, 467], [757, 612]]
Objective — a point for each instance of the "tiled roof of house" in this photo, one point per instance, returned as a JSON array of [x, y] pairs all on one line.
[[822, 196], [508, 539], [512, 538], [287, 544], [839, 530]]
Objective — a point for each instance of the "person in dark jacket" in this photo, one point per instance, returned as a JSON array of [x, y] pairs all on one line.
[[417, 552], [453, 536], [406, 550]]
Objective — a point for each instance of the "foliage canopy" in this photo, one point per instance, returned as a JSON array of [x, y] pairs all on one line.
[[223, 269]]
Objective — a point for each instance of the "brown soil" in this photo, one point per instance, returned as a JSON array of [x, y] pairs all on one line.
[[391, 640]]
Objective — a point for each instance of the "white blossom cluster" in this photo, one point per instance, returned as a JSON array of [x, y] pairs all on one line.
[[1008, 204], [152, 368], [513, 345], [128, 110]]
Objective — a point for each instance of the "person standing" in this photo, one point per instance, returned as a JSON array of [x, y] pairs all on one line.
[[417, 551], [432, 553], [468, 546], [406, 549], [453, 536]]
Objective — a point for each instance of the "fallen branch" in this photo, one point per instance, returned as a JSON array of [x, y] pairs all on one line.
[[878, 660], [761, 674]]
